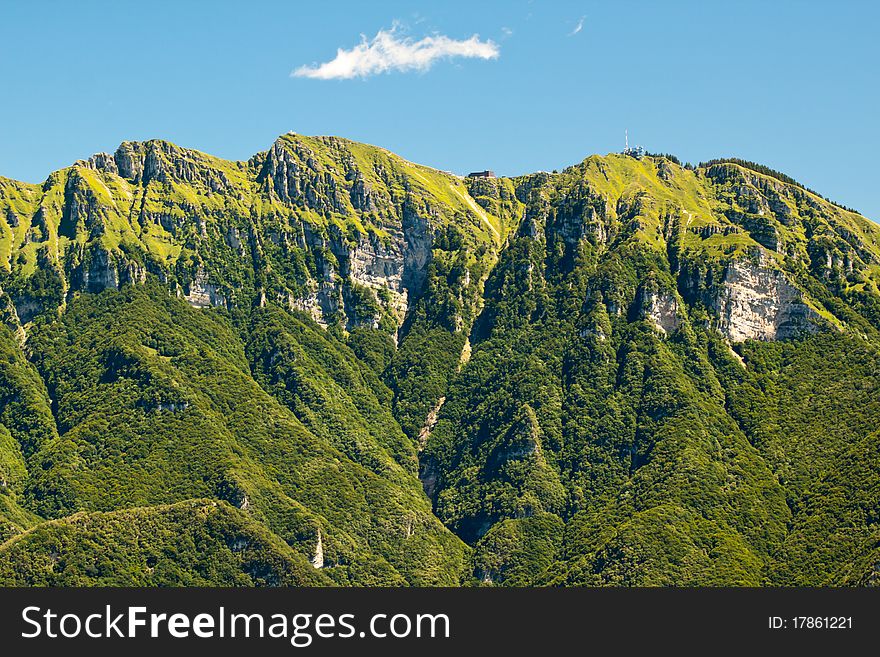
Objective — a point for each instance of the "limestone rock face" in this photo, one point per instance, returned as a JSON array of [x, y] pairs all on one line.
[[99, 274], [392, 267], [202, 294], [376, 263], [322, 300], [128, 161], [317, 561], [416, 249], [660, 308], [379, 265], [103, 162], [758, 303]]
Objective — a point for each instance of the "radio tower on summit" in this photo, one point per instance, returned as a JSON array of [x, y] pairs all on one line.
[[636, 151]]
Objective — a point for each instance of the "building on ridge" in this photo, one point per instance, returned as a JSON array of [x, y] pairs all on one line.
[[635, 151]]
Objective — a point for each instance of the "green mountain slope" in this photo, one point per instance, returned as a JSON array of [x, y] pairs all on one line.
[[156, 403], [197, 543], [627, 373], [605, 431]]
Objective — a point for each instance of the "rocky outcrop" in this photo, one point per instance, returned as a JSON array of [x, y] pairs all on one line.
[[99, 272], [317, 560], [203, 294], [749, 298], [392, 267], [322, 301], [430, 423], [128, 161], [102, 162], [293, 174], [757, 302], [658, 307], [581, 218], [709, 230], [417, 238], [379, 264], [142, 162]]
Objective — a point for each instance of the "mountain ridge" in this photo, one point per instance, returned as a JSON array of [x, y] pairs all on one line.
[[139, 162], [596, 376]]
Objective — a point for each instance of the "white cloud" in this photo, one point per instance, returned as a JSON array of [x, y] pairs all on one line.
[[578, 27], [389, 52]]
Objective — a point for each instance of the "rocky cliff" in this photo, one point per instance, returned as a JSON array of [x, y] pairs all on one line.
[[341, 230]]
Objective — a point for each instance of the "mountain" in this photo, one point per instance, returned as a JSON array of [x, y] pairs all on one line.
[[328, 365]]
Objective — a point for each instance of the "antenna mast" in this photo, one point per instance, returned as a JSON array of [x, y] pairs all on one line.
[[626, 138]]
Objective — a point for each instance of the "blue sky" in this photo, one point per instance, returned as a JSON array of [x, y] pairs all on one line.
[[794, 85]]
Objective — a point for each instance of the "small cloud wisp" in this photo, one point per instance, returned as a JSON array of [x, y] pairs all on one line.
[[389, 52], [578, 27]]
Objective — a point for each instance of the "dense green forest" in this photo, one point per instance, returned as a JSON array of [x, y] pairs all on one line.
[[329, 366]]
